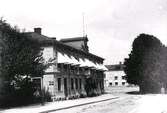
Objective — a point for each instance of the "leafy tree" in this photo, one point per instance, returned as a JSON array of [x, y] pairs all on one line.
[[21, 59], [145, 66]]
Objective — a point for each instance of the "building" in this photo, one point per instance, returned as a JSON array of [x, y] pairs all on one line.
[[115, 75], [71, 67]]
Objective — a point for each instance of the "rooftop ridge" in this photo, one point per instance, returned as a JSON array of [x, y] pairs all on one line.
[[73, 39]]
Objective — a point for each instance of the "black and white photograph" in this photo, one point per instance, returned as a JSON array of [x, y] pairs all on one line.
[[83, 56]]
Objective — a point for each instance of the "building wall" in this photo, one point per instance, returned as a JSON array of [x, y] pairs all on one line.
[[115, 78], [47, 55], [68, 90], [49, 83], [50, 57]]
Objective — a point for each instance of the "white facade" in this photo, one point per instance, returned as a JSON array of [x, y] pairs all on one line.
[[115, 78], [49, 80]]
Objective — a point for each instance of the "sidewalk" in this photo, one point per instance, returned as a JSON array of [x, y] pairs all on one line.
[[59, 105]]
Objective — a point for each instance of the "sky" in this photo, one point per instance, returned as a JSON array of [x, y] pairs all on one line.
[[111, 25]]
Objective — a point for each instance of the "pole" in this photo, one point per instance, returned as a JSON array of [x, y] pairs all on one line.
[[83, 14], [42, 92]]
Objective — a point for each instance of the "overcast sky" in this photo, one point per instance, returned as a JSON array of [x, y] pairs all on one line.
[[111, 25]]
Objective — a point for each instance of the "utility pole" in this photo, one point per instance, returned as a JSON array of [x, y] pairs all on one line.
[[83, 20]]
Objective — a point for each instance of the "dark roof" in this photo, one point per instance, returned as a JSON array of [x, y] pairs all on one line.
[[74, 39], [116, 67], [90, 55], [38, 37], [47, 41]]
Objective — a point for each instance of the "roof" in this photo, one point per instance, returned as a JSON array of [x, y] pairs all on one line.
[[48, 41], [66, 47], [38, 37], [116, 67], [74, 39]]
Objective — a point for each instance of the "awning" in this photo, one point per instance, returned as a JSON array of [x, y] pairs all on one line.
[[90, 63], [82, 63], [101, 67], [74, 61], [63, 58]]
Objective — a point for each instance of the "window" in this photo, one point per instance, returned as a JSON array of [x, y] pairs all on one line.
[[110, 83], [116, 78], [123, 83], [123, 77], [59, 67], [59, 84], [87, 71], [80, 83], [65, 68], [51, 83], [76, 83], [72, 69], [116, 83], [77, 70], [72, 83]]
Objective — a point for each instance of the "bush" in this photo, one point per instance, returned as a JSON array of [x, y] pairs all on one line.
[[16, 96], [21, 59]]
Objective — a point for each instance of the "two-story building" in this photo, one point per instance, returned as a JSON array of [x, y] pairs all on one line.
[[72, 67], [115, 75]]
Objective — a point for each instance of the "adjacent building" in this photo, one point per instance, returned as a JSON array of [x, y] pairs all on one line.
[[115, 75], [71, 67]]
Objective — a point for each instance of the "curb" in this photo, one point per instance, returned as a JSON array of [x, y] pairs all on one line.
[[47, 111]]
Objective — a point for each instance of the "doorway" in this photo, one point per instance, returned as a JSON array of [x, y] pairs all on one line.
[[65, 87]]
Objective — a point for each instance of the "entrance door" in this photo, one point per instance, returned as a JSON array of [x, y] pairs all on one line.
[[37, 83], [65, 87]]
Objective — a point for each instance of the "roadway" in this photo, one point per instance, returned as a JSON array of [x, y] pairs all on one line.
[[126, 103]]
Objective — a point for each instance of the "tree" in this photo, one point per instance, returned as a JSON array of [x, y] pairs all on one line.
[[145, 66], [21, 59]]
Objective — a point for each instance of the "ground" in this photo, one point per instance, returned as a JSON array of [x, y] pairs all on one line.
[[126, 103], [116, 100]]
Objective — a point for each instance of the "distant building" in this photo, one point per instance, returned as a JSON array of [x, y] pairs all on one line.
[[71, 68], [115, 75]]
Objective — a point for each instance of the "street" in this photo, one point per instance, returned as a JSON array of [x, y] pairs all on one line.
[[116, 100], [126, 103]]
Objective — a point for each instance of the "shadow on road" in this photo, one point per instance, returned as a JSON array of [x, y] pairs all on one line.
[[133, 93]]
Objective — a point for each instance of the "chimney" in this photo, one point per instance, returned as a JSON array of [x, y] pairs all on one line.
[[37, 30], [121, 65]]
